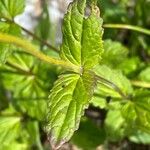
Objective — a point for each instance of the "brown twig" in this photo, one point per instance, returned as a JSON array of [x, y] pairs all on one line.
[[39, 39], [33, 35]]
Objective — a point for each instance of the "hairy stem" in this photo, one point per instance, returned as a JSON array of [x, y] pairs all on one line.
[[129, 27], [31, 49]]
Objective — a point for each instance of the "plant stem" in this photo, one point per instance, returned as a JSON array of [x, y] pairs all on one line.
[[31, 49], [39, 39], [140, 84], [33, 35], [129, 27]]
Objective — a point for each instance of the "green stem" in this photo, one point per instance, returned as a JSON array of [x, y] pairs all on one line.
[[129, 27], [31, 49], [141, 84]]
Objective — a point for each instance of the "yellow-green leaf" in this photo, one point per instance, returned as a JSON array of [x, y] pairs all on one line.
[[82, 35]]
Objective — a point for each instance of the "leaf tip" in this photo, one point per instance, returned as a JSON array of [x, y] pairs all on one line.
[[54, 143]]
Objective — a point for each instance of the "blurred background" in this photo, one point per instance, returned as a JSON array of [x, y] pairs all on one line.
[[24, 86]]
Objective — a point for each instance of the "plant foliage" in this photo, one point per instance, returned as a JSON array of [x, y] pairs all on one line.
[[99, 81]]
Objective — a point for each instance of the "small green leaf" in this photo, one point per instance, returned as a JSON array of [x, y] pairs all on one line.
[[11, 8], [6, 49], [145, 75], [99, 102], [67, 101], [114, 125], [116, 77], [136, 112], [34, 132], [82, 37], [130, 65], [9, 129], [114, 53], [129, 113], [140, 137]]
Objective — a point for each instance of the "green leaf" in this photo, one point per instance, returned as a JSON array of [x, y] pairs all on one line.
[[34, 134], [82, 46], [129, 113], [82, 37], [31, 92], [140, 137], [130, 65], [98, 101], [35, 108], [9, 129], [114, 125], [11, 8], [116, 77], [67, 101], [89, 136], [114, 53], [145, 75], [136, 112], [6, 49], [16, 146]]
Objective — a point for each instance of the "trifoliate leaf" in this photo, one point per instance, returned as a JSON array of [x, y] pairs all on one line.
[[82, 37], [67, 101], [10, 8]]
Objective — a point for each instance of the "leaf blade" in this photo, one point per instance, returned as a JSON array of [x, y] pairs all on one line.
[[82, 37], [67, 106], [92, 44], [11, 8]]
